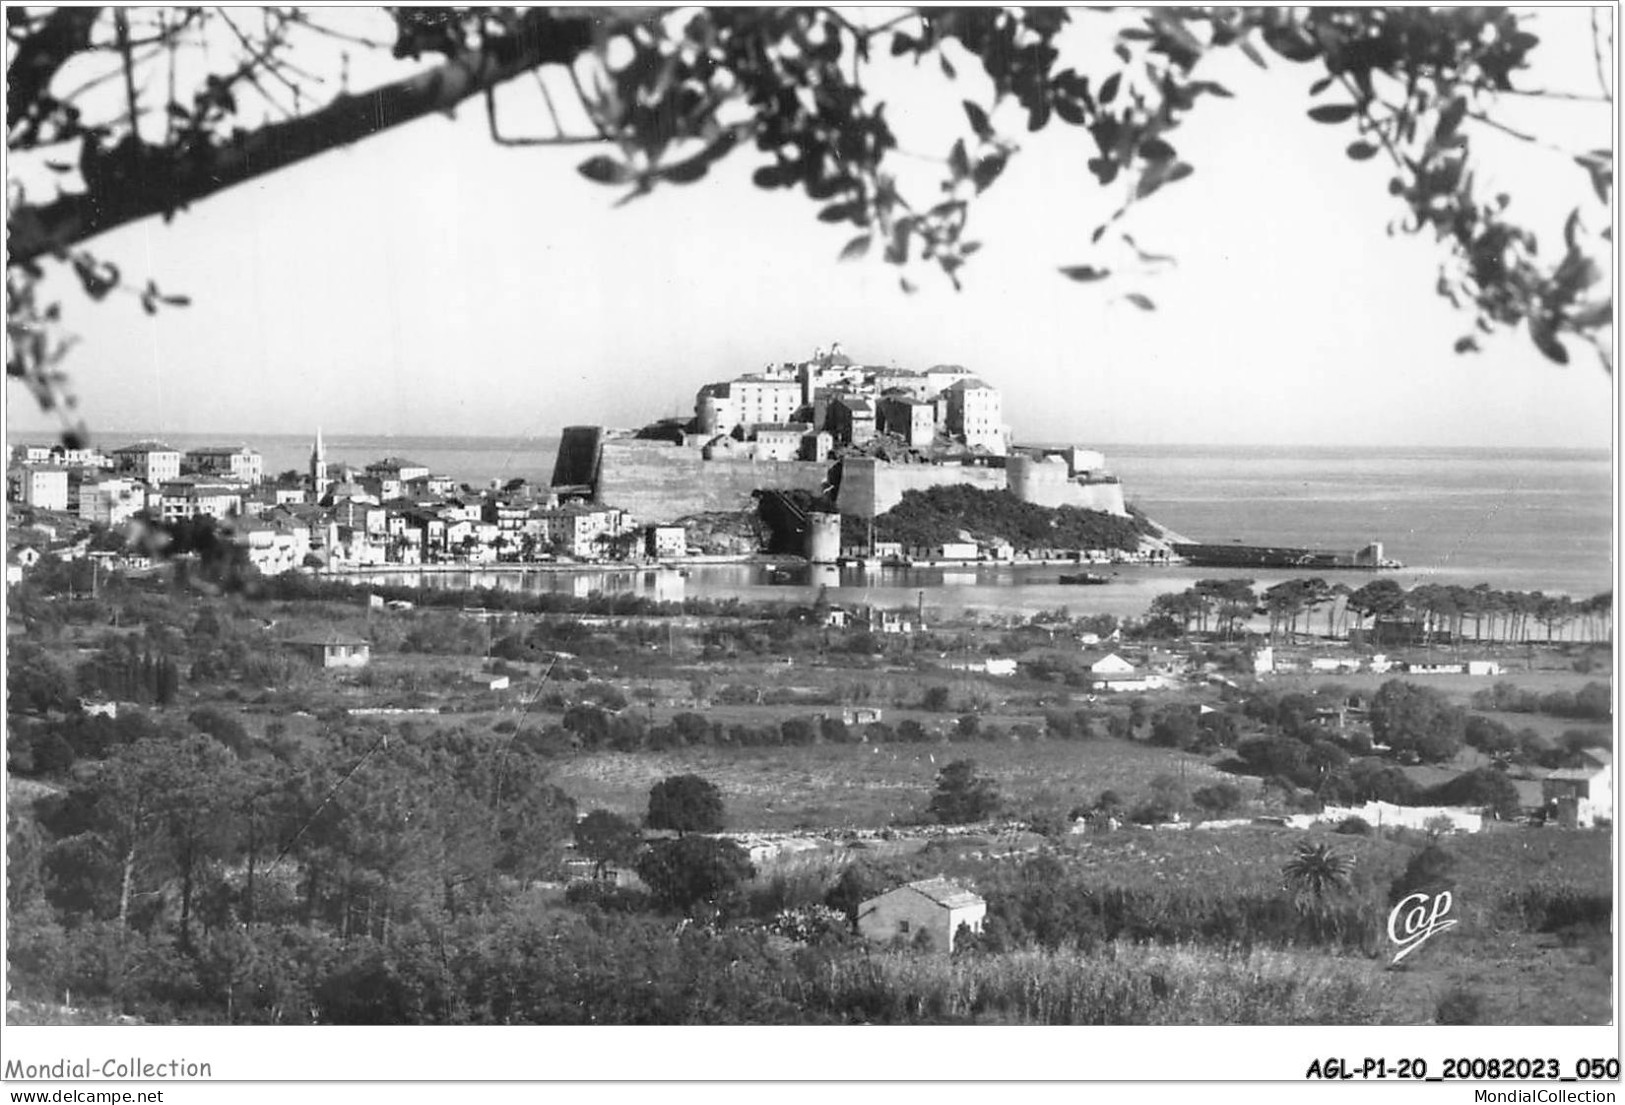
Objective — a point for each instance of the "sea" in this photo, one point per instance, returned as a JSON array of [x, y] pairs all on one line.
[[1516, 519]]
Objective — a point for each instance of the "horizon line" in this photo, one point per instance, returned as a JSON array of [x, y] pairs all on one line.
[[238, 437]]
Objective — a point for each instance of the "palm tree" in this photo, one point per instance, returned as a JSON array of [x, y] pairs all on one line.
[[1316, 874]]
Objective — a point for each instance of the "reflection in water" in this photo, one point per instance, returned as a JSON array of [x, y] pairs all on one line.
[[991, 589]]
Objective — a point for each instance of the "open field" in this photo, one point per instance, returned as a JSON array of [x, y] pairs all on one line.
[[873, 786]]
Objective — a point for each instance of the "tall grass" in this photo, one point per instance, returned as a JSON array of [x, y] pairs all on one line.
[[1119, 984]]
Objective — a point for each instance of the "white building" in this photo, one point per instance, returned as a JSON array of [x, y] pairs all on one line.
[[237, 462], [42, 487], [110, 502], [976, 413], [934, 906], [1579, 797], [151, 461]]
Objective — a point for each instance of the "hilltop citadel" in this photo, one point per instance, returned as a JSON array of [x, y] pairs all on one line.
[[861, 434]]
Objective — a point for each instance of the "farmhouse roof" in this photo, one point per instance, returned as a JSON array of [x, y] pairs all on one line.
[[328, 640], [949, 895], [147, 447], [1577, 773]]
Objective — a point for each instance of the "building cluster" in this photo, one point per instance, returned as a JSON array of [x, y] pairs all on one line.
[[1265, 661], [392, 511], [805, 411]]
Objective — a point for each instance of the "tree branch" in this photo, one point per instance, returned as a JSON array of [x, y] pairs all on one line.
[[163, 181], [1596, 55], [66, 32]]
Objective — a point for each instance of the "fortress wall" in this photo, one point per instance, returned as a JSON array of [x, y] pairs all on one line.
[[1042, 483], [1106, 497], [657, 481], [577, 462], [870, 487]]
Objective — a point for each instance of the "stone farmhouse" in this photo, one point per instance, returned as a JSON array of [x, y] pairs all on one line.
[[933, 906], [1579, 797]]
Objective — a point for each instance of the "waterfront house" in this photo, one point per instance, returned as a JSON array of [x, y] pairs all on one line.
[[664, 541], [936, 907]]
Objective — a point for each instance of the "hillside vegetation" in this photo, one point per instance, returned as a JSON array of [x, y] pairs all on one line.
[[942, 514]]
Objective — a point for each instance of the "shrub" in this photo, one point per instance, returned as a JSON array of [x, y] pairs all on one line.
[[1218, 799], [694, 870], [1353, 826], [962, 795], [1459, 1005], [1428, 871], [607, 896]]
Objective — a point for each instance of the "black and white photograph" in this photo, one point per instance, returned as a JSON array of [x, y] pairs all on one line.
[[1087, 519]]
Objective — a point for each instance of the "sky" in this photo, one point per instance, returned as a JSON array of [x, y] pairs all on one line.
[[429, 281]]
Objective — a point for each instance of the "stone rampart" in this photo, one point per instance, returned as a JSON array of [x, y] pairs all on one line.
[[657, 481]]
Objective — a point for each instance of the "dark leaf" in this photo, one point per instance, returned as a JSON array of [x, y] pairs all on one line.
[[147, 304], [1085, 273], [1178, 171], [1142, 302], [988, 170], [1251, 53], [1362, 151], [1602, 180], [1291, 43], [947, 71], [857, 248], [1321, 85], [907, 285], [1122, 53], [1468, 344], [839, 212], [1038, 114], [959, 161], [604, 170], [177, 300], [1108, 91], [1546, 341], [1333, 113], [978, 121], [687, 172], [770, 176], [1213, 88], [1070, 111], [59, 166], [1155, 149]]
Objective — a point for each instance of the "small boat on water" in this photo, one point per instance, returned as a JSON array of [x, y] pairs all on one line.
[[1089, 579]]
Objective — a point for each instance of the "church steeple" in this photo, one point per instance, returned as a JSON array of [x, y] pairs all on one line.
[[318, 469]]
